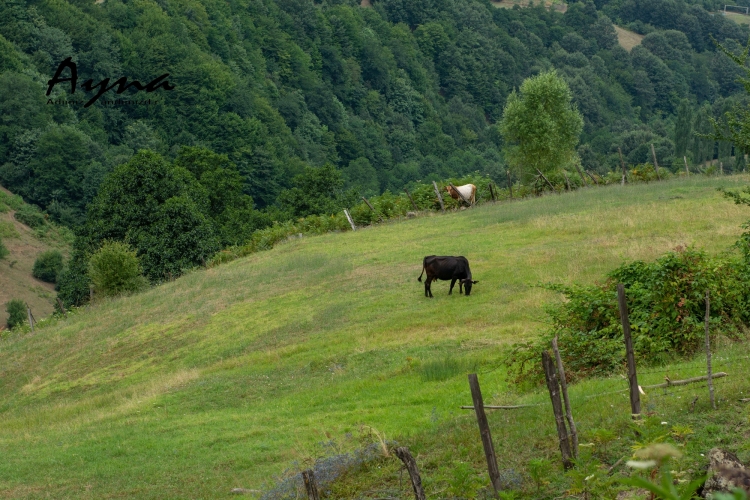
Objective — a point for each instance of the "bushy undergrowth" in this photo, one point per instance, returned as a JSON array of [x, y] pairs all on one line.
[[114, 269], [48, 265], [16, 310], [666, 304]]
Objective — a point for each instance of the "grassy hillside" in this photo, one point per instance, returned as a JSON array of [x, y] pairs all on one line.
[[24, 245], [628, 39], [226, 376]]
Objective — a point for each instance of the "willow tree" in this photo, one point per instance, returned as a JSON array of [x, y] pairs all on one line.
[[541, 126]]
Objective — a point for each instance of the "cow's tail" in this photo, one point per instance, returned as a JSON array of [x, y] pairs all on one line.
[[420, 275]]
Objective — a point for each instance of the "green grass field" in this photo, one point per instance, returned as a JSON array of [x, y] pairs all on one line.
[[227, 376]]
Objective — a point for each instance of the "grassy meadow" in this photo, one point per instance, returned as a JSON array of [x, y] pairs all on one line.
[[226, 377]]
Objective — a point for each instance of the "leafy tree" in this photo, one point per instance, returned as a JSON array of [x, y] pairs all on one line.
[[317, 191], [73, 282], [48, 265], [114, 270], [541, 125], [16, 310]]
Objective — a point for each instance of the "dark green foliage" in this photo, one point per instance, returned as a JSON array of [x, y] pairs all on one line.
[[16, 310], [48, 265], [683, 129], [666, 310], [317, 191], [73, 282], [30, 215], [114, 270]]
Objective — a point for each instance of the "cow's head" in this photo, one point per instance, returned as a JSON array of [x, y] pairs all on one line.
[[467, 285]]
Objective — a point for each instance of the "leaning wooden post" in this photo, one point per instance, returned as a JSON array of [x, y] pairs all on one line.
[[312, 489], [721, 168], [349, 217], [492, 193], [373, 208], [484, 432], [684, 158], [440, 198], [635, 396], [622, 162], [592, 177], [564, 387], [31, 320], [411, 200], [546, 180], [580, 173], [411, 466], [62, 307], [459, 194], [567, 181], [708, 355], [554, 394], [656, 164], [510, 185]]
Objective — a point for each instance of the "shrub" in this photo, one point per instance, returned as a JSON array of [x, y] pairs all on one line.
[[30, 215], [16, 310], [73, 282], [47, 266], [3, 251], [666, 311], [114, 269]]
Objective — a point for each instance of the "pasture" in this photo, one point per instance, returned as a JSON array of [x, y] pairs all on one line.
[[225, 377], [628, 39]]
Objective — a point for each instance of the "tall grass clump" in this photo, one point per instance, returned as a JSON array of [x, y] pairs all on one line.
[[444, 368]]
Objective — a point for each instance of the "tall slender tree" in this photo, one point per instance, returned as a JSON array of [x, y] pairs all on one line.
[[541, 124], [683, 128]]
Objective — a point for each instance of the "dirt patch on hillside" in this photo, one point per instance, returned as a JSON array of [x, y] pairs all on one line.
[[16, 281], [628, 39]]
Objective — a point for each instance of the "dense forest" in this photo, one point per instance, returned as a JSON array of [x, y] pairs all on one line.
[[277, 99]]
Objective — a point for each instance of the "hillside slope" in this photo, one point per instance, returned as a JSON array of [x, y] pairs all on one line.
[[24, 245], [225, 376]]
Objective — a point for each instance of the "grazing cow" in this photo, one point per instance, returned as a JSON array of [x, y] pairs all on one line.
[[447, 268], [469, 191]]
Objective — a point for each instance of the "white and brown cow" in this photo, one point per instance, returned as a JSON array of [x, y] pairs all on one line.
[[468, 191]]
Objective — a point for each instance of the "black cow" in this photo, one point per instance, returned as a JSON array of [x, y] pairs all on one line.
[[446, 268]]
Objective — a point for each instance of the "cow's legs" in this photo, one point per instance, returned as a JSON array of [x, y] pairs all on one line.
[[427, 288], [461, 287], [453, 282]]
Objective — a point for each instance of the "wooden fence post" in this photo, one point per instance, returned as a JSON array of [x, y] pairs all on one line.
[[411, 465], [546, 180], [373, 208], [31, 318], [635, 396], [622, 163], [581, 174], [411, 200], [492, 193], [566, 401], [349, 217], [62, 307], [592, 177], [721, 168], [312, 489], [656, 164], [567, 181], [440, 198], [459, 194], [554, 394], [684, 158], [510, 185], [708, 355], [484, 432]]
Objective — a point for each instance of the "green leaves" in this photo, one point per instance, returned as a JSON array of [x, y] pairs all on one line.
[[541, 125]]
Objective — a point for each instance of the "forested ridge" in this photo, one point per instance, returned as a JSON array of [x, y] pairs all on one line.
[[267, 93]]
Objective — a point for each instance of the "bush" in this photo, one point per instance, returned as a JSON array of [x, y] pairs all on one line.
[[3, 251], [73, 283], [114, 269], [30, 215], [666, 311], [47, 266], [16, 310]]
